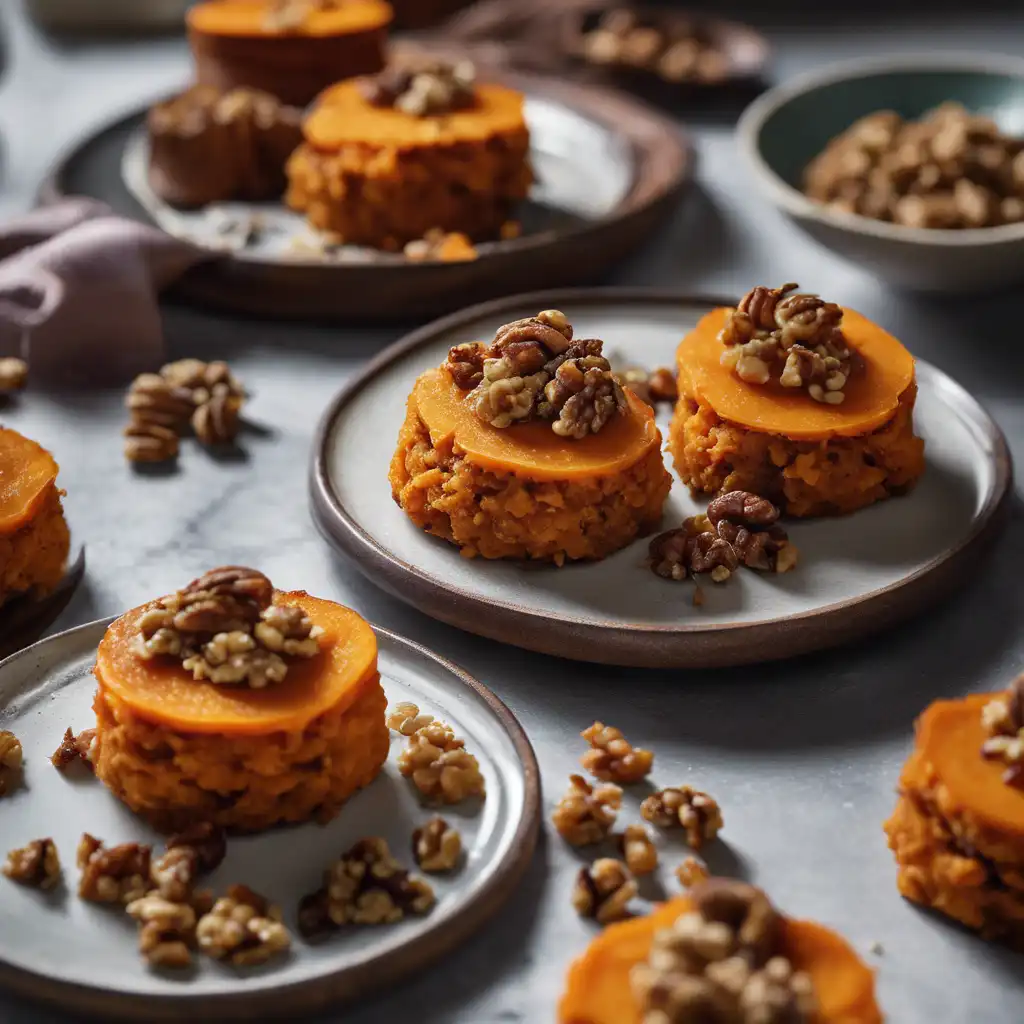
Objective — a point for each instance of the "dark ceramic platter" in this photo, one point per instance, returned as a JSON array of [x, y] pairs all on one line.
[[576, 226]]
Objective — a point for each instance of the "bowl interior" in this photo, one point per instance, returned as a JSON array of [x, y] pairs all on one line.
[[796, 131]]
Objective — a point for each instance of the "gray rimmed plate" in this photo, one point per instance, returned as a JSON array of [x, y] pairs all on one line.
[[857, 574], [83, 957], [609, 169]]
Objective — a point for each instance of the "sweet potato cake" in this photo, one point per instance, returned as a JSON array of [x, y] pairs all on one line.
[[34, 537], [796, 399], [389, 159], [529, 448], [230, 703], [958, 828]]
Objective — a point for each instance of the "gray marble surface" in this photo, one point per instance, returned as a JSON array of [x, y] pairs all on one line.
[[803, 756]]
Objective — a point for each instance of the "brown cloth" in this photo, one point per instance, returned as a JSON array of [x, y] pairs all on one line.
[[78, 293]]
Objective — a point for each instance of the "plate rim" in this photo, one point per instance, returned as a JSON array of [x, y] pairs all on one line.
[[635, 645], [347, 983], [630, 119]]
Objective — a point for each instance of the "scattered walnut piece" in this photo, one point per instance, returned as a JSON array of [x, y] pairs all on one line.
[[119, 874], [687, 807], [604, 890], [723, 959], [13, 373], [1003, 721], [439, 765], [406, 718], [436, 846], [74, 749], [11, 760], [217, 420], [691, 872], [612, 758], [585, 814], [36, 865], [243, 929], [950, 169], [366, 885], [638, 851], [150, 442], [166, 930]]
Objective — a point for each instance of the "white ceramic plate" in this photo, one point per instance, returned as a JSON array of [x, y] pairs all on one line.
[[857, 573], [84, 956], [584, 171]]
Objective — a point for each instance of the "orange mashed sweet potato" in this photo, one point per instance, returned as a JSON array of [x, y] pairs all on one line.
[[831, 476], [501, 513], [32, 558], [178, 750]]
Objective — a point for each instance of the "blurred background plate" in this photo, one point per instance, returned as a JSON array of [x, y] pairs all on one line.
[[610, 172]]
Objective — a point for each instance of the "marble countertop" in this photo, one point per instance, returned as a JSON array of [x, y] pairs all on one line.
[[803, 756]]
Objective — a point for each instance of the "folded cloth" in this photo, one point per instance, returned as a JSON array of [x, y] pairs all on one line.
[[78, 292]]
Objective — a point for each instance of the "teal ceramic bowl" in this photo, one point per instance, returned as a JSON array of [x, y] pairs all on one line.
[[784, 129]]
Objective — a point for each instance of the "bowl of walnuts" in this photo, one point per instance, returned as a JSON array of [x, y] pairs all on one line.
[[911, 167]]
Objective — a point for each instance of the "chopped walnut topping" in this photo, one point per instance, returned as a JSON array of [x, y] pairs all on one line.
[[740, 528], [533, 369], [13, 373], [638, 851], [603, 890], [119, 874], [75, 749], [36, 865], [436, 846], [425, 88], [166, 930], [586, 814], [687, 807], [366, 885], [243, 929], [950, 169], [224, 628], [722, 962], [439, 766], [612, 758], [793, 338], [1003, 721], [691, 872], [11, 760], [406, 719]]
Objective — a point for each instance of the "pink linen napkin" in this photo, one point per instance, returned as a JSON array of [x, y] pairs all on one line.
[[79, 290]]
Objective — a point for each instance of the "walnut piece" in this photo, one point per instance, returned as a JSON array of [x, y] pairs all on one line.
[[686, 807], [638, 851], [119, 874], [436, 846], [612, 758], [150, 442], [203, 380], [950, 169], [36, 865], [366, 885], [217, 420], [74, 749], [604, 890], [11, 760], [224, 628], [722, 962], [1003, 721], [466, 364], [422, 88], [406, 719], [586, 814], [439, 765], [793, 338], [166, 930], [691, 872], [13, 373], [243, 929]]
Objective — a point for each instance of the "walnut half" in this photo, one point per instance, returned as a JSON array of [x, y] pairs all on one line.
[[36, 865]]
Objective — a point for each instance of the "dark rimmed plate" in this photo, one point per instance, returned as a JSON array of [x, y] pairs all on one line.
[[591, 145], [49, 686], [858, 573]]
